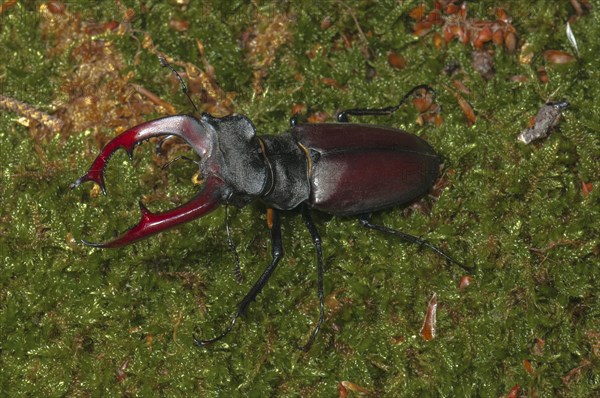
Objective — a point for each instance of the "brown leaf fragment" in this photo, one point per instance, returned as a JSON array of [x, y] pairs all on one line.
[[538, 347], [460, 86], [514, 392], [6, 5], [354, 387], [422, 28], [467, 110], [121, 371], [510, 41], [586, 188], [465, 282], [397, 61], [180, 25], [298, 109], [594, 340], [575, 373], [342, 392], [155, 99], [428, 329], [417, 13], [318, 117], [558, 57]]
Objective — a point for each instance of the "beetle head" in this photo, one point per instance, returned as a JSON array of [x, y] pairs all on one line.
[[200, 135]]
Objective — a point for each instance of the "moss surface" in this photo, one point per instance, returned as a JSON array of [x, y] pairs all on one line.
[[76, 321]]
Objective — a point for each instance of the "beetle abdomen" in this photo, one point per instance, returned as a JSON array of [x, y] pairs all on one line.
[[362, 168]]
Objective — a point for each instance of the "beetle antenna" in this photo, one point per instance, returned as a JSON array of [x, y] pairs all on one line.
[[165, 64], [238, 271], [343, 115]]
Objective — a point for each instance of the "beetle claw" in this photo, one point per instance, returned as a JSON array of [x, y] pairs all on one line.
[[186, 127], [198, 134], [205, 201], [128, 140], [89, 177]]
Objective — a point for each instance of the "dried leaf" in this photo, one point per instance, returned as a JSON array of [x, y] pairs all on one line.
[[396, 61], [180, 25], [422, 28], [510, 41], [342, 392], [586, 188], [417, 13], [428, 329], [467, 110], [514, 392], [326, 23], [465, 281], [538, 347], [318, 117], [121, 374], [558, 57], [298, 109], [355, 387], [155, 99], [575, 373]]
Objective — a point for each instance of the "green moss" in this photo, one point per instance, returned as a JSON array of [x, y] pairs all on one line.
[[77, 321]]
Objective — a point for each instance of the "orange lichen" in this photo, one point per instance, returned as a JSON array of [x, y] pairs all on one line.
[[265, 37], [97, 94]]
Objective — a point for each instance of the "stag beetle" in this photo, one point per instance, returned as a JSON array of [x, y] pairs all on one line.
[[343, 169]]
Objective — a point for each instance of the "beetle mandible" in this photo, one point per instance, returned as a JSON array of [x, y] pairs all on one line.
[[343, 169]]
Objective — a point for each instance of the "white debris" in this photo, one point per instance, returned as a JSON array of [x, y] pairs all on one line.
[[546, 118]]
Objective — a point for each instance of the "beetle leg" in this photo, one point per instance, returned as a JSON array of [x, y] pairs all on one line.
[[366, 222], [277, 254], [316, 238], [343, 115]]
